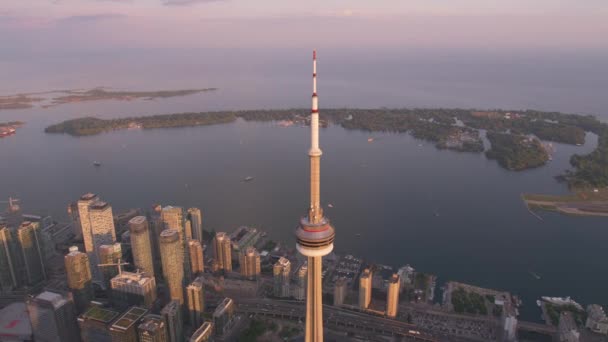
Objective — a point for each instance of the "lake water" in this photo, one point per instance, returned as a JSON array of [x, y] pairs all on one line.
[[389, 191]]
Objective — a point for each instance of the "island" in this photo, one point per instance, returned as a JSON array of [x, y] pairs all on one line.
[[9, 128], [515, 136], [57, 97]]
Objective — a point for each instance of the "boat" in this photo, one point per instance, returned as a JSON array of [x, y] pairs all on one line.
[[330, 205], [96, 163], [369, 140], [247, 179], [535, 275]]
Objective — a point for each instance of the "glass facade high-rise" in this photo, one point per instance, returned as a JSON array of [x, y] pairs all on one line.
[[141, 246], [282, 273], [28, 236], [223, 316], [196, 223], [172, 258], [195, 249], [172, 315], [8, 273], [79, 276], [53, 318], [222, 251], [196, 301]]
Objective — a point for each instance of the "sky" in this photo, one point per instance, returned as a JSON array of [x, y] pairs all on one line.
[[40, 25]]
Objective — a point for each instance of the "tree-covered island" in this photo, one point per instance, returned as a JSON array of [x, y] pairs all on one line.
[[514, 135]]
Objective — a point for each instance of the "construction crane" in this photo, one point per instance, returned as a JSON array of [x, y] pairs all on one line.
[[116, 264]]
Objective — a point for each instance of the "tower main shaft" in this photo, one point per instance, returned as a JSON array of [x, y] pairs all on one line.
[[315, 235]]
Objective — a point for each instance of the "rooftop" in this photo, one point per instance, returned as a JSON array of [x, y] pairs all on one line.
[[202, 330], [130, 277], [100, 314], [15, 322], [88, 196], [55, 299], [129, 318], [99, 205], [138, 220]]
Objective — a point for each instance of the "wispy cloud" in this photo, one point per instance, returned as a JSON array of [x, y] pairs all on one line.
[[186, 2], [77, 19]]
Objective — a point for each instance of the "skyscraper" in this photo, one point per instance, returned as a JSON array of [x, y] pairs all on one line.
[[133, 289], [223, 316], [109, 256], [83, 205], [141, 245], [203, 334], [156, 227], [29, 242], [392, 297], [281, 272], [315, 235], [172, 258], [124, 329], [340, 291], [8, 273], [195, 249], [153, 329], [299, 292], [196, 223], [173, 218], [222, 251], [365, 288], [78, 272], [196, 301], [249, 260], [172, 315], [53, 318]]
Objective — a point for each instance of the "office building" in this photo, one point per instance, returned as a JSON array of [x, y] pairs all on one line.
[[195, 249], [156, 227], [53, 318], [340, 291], [79, 277], [299, 291], [110, 257], [97, 224], [315, 235], [172, 257], [133, 289], [84, 222], [249, 260], [281, 272], [152, 329], [95, 324], [141, 246], [124, 329], [196, 223], [196, 301], [203, 334], [28, 236], [223, 316], [172, 315], [365, 289], [222, 251], [392, 297], [173, 218], [8, 273]]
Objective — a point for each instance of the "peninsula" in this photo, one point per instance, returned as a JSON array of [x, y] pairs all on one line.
[[515, 136], [58, 97]]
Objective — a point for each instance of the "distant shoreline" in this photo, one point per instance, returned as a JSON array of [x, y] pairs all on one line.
[[516, 136]]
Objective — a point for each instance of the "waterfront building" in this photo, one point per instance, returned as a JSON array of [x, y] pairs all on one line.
[[596, 319], [281, 273], [173, 218], [244, 237], [223, 316], [510, 328], [196, 301], [249, 260], [315, 235], [133, 289], [340, 289], [365, 289], [8, 273], [84, 222], [195, 218], [392, 297], [173, 318], [102, 229], [78, 271], [299, 292], [95, 324], [124, 329], [195, 249], [172, 257], [203, 334], [156, 227], [222, 251], [53, 318], [110, 257], [152, 329], [141, 246], [28, 235]]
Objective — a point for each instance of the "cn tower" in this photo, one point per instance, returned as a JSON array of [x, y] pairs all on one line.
[[315, 235]]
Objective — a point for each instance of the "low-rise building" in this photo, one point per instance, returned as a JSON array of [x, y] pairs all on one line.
[[567, 329], [596, 319]]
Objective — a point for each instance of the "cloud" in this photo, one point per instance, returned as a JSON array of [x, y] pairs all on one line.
[[186, 2], [77, 19]]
